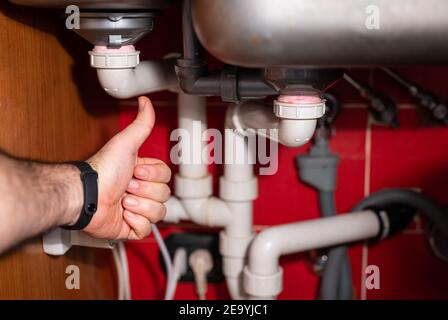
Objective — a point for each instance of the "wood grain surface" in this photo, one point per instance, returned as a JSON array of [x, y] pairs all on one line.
[[51, 108]]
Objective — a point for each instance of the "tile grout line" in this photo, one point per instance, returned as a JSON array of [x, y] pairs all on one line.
[[367, 176]]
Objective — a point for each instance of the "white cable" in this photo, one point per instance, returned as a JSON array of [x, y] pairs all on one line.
[[167, 259], [119, 270], [179, 269], [125, 269]]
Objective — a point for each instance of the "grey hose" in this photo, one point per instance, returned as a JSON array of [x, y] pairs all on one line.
[[326, 203], [411, 198], [337, 281], [318, 168], [337, 277]]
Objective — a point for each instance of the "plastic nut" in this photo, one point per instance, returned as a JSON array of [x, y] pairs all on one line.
[[114, 60], [193, 188], [303, 111], [263, 286]]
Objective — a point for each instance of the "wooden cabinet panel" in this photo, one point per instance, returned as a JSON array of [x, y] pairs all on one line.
[[51, 108]]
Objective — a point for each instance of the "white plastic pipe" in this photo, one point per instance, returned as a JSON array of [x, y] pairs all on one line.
[[193, 183], [211, 211], [238, 187], [263, 275], [192, 118], [147, 77], [260, 117], [122, 75]]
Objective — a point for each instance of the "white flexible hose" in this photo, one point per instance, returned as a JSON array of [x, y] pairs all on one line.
[[179, 269], [125, 270], [119, 269], [168, 263]]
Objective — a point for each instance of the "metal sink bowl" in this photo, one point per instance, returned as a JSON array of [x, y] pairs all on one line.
[[262, 33], [98, 4]]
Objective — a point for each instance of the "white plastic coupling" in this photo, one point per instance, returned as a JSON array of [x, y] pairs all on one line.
[[58, 241], [114, 59], [268, 286], [238, 191], [299, 111], [235, 247], [187, 188]]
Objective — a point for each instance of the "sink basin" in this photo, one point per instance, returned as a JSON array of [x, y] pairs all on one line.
[[263, 33], [98, 4]]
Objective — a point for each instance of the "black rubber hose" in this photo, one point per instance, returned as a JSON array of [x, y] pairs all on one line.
[[416, 200]]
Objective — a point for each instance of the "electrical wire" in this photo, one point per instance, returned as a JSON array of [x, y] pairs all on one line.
[[119, 270], [125, 269], [179, 269], [169, 293]]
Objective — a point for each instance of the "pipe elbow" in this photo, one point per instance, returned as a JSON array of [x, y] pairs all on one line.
[[264, 253], [147, 77], [296, 133], [118, 83]]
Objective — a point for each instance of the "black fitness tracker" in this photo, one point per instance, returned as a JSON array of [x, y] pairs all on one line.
[[89, 178]]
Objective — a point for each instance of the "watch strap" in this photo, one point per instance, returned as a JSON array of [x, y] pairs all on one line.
[[89, 178]]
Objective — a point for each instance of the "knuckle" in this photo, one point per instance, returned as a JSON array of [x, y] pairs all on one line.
[[166, 192], [159, 212], [163, 212]]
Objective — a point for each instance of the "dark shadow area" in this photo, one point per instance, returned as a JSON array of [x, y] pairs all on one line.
[[94, 99]]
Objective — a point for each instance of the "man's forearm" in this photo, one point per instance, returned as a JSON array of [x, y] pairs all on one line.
[[35, 197]]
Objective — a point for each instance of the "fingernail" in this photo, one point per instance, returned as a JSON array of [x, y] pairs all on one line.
[[133, 184], [142, 173], [130, 201]]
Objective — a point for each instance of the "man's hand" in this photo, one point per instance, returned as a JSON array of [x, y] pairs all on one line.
[[37, 196], [131, 189]]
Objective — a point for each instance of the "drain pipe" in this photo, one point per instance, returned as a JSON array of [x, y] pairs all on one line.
[[123, 76], [263, 275], [292, 123], [238, 190], [232, 84], [193, 185], [238, 186]]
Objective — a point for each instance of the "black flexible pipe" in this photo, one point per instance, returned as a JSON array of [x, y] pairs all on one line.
[[418, 201]]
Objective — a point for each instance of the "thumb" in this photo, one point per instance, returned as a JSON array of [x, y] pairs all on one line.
[[139, 130]]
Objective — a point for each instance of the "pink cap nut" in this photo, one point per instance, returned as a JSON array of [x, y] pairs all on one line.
[[122, 49], [299, 99]]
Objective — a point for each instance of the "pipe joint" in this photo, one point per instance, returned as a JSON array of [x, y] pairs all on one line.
[[187, 188], [263, 286], [299, 111], [235, 247], [238, 191], [123, 76], [124, 58]]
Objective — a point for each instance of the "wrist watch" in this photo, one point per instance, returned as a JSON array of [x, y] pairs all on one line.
[[89, 178]]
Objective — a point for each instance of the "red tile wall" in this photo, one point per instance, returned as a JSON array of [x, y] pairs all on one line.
[[415, 155]]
